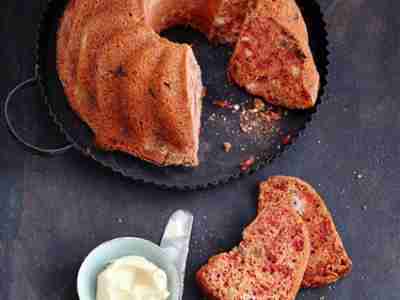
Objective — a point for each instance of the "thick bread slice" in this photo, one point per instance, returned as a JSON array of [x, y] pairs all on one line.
[[272, 58], [328, 260], [268, 264]]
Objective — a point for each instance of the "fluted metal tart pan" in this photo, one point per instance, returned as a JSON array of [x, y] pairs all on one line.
[[219, 125]]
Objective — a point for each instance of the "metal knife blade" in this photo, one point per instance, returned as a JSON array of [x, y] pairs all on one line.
[[175, 242]]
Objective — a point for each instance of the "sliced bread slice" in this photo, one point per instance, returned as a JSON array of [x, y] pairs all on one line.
[[269, 263], [329, 260]]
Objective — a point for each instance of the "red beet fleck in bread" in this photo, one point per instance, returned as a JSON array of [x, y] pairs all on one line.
[[328, 260], [269, 263]]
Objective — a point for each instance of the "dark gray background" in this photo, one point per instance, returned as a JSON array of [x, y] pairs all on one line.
[[54, 210]]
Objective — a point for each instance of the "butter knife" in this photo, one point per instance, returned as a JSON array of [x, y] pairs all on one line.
[[175, 242]]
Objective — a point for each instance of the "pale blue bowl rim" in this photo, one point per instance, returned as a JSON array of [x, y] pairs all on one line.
[[107, 243]]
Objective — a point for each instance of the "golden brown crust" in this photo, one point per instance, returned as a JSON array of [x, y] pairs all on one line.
[[329, 260], [120, 97], [201, 277], [268, 263]]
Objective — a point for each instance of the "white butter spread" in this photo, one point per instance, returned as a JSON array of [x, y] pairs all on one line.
[[132, 278]]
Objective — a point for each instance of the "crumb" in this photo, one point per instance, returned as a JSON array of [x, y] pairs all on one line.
[[259, 104], [360, 176], [204, 92], [259, 120], [286, 139], [272, 116], [227, 147], [246, 164], [212, 117], [318, 141], [223, 103], [119, 220], [364, 207], [255, 122]]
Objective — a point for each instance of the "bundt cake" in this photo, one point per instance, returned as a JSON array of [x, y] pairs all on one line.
[[141, 94]]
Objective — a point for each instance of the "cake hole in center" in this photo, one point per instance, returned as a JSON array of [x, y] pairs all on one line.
[[213, 60]]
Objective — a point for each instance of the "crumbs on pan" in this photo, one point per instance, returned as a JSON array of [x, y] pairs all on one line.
[[217, 117], [227, 147], [246, 164], [223, 103], [256, 119], [286, 139], [259, 119]]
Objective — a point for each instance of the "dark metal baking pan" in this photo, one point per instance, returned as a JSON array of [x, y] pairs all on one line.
[[219, 125]]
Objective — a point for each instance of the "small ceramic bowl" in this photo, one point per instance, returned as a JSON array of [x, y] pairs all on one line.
[[101, 256]]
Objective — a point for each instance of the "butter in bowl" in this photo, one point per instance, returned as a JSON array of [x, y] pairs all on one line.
[[130, 268]]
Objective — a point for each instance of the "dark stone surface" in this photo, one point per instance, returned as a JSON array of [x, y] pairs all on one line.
[[54, 210]]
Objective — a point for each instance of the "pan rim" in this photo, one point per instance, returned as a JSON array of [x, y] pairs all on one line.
[[261, 163]]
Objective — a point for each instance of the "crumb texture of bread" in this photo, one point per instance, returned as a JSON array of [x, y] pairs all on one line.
[[272, 58], [329, 260], [228, 20], [269, 262]]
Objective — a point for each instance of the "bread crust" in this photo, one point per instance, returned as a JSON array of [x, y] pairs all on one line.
[[269, 262], [329, 260], [117, 96]]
